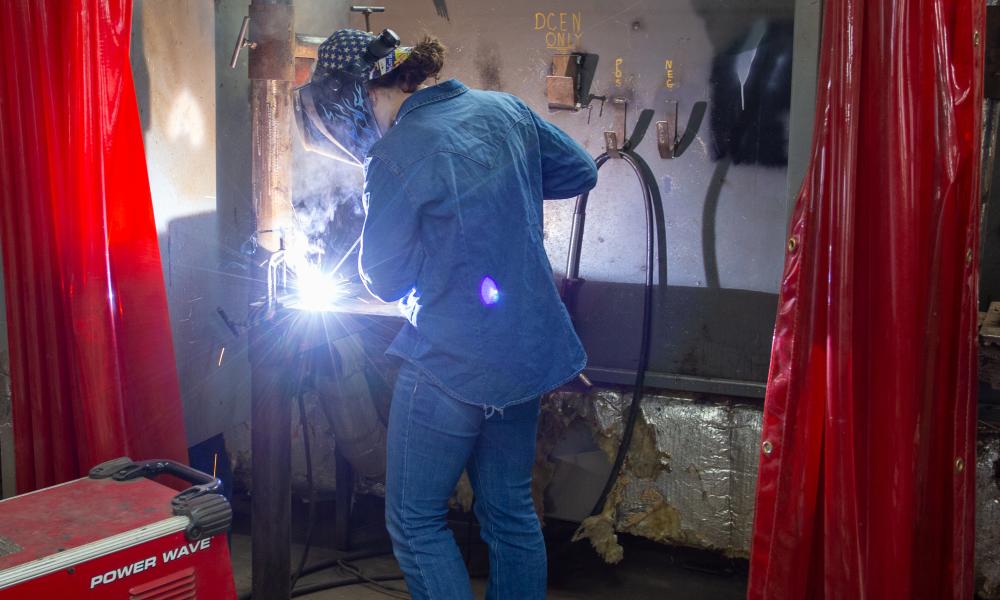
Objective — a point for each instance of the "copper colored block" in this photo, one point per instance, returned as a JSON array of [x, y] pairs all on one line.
[[560, 91]]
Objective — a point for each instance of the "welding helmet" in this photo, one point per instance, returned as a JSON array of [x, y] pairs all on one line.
[[333, 112]]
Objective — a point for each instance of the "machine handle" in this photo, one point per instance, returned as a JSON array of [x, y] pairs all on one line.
[[125, 469], [152, 468], [207, 509], [242, 42]]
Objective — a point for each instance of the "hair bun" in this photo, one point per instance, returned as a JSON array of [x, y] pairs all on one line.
[[426, 60], [428, 56]]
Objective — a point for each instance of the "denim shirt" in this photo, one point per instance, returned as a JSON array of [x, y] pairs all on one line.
[[453, 230]]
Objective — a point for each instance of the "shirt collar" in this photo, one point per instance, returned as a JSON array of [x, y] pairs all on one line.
[[435, 93]]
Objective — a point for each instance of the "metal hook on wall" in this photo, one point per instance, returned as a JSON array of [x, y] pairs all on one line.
[[669, 143], [615, 141]]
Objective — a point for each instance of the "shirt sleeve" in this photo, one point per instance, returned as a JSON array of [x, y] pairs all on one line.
[[391, 252], [567, 169]]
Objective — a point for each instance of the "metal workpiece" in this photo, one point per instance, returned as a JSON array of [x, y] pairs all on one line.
[[272, 37], [271, 159], [307, 46], [271, 69]]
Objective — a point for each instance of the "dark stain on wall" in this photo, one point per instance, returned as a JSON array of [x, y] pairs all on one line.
[[488, 67], [441, 6]]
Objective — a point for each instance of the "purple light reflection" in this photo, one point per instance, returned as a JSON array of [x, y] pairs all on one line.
[[489, 293]]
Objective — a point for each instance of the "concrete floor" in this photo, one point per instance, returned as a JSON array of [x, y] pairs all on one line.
[[649, 571]]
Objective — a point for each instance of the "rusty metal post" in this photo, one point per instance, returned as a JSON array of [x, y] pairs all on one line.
[[271, 71], [270, 448]]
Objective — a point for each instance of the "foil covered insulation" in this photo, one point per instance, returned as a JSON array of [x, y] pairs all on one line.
[[690, 474], [988, 516]]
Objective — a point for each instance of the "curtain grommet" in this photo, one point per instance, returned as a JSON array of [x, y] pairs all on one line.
[[767, 447], [793, 244], [959, 465]]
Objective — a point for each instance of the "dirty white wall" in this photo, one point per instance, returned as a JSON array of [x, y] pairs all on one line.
[[173, 50]]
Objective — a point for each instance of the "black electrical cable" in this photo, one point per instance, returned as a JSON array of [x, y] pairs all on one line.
[[329, 585], [376, 585], [572, 284], [334, 562], [647, 312], [312, 588], [303, 570]]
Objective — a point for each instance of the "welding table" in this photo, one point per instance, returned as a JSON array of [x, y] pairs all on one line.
[[277, 345]]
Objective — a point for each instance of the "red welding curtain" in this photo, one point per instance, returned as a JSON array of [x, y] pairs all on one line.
[[866, 471], [92, 364]]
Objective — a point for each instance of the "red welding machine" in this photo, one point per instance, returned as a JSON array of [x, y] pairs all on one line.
[[118, 535]]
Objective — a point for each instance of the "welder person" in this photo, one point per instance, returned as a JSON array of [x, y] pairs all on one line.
[[454, 182]]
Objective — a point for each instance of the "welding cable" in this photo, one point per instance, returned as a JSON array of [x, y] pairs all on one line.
[[334, 562], [314, 588], [378, 586], [351, 556], [571, 286]]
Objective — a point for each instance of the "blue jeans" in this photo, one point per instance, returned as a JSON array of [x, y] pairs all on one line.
[[432, 438]]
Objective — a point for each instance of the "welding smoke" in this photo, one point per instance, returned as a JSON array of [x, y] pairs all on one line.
[[326, 195]]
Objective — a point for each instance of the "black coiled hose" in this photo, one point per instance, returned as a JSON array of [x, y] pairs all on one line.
[[572, 284]]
